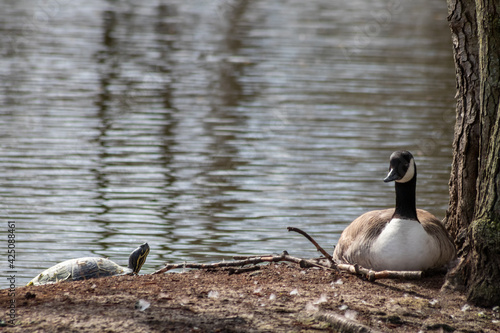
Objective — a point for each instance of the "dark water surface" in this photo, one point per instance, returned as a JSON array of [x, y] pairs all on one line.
[[207, 127]]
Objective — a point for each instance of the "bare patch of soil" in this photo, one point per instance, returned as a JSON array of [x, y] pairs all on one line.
[[277, 298]]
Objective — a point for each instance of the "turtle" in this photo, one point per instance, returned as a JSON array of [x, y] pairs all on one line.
[[91, 267]]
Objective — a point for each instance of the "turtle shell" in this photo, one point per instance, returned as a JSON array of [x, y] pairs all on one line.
[[79, 269]]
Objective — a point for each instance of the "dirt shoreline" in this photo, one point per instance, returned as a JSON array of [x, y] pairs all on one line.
[[279, 297]]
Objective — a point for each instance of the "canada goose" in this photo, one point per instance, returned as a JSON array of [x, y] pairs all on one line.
[[401, 239]]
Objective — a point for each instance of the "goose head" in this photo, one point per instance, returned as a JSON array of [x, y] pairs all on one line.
[[402, 167]]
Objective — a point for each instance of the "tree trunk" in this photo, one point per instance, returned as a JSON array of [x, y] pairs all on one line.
[[473, 217], [462, 18]]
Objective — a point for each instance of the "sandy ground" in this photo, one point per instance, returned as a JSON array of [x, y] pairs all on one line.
[[280, 297]]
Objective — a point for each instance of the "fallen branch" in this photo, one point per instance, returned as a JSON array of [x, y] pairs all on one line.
[[304, 263], [375, 275], [241, 261]]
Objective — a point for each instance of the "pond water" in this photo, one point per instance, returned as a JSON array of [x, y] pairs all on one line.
[[205, 128]]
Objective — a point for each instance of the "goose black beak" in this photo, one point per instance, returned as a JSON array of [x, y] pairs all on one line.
[[391, 176]]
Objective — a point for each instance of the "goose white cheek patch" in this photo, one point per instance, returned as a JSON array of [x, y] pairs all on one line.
[[409, 173]]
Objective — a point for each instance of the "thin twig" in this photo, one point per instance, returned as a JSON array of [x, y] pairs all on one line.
[[318, 247]]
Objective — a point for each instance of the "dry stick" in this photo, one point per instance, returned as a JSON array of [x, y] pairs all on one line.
[[304, 263], [374, 275]]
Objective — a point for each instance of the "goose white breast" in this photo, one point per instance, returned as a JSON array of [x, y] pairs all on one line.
[[403, 245]]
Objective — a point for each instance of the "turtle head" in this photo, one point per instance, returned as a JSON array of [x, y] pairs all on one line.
[[138, 258]]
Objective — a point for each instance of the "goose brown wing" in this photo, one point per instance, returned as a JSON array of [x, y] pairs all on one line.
[[436, 229], [355, 242]]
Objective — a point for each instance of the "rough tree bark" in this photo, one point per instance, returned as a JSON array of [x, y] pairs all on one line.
[[473, 217]]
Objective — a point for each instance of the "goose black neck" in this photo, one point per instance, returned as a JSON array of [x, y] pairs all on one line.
[[406, 200]]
